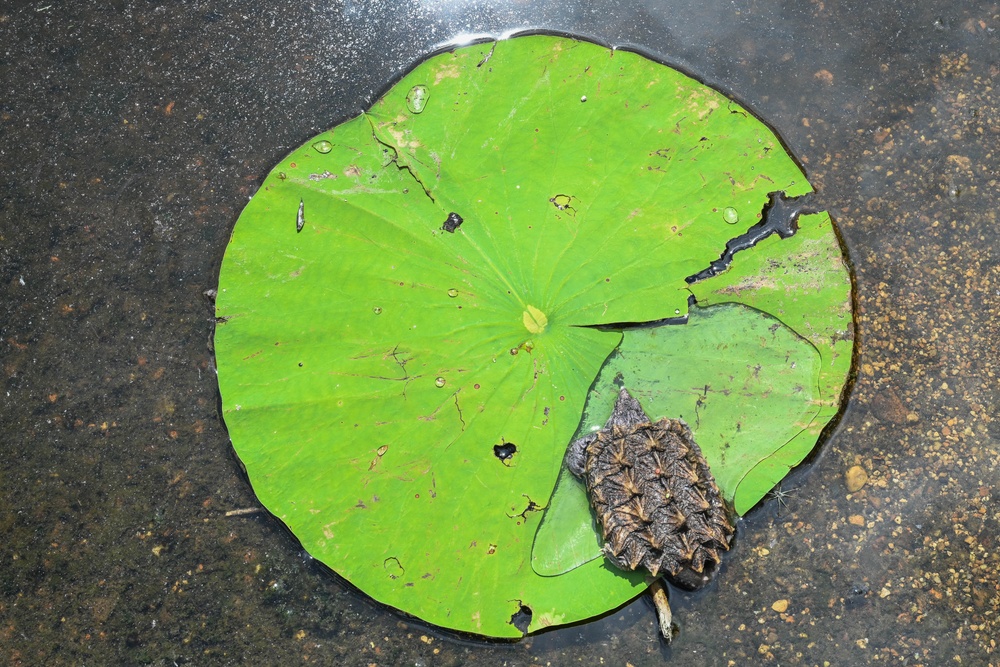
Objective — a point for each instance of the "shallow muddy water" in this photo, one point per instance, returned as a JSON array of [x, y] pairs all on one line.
[[132, 135]]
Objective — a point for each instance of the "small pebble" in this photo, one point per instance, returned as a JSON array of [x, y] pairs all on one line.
[[856, 477], [780, 606]]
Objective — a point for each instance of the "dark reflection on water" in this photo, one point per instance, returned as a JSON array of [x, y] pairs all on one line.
[[132, 134]]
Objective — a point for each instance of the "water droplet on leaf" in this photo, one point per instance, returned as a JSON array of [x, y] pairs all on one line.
[[730, 215], [377, 310], [439, 382], [453, 292], [323, 146], [416, 99]]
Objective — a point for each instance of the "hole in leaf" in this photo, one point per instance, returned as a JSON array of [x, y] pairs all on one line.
[[522, 617], [779, 216], [522, 516], [564, 203], [453, 222], [505, 452]]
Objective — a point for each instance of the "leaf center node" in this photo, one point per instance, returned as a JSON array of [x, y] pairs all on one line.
[[534, 320]]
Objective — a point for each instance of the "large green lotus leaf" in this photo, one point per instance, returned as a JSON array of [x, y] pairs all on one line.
[[373, 364], [744, 382]]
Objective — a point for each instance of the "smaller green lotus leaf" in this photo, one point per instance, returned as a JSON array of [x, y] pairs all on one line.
[[568, 535], [804, 281], [744, 382]]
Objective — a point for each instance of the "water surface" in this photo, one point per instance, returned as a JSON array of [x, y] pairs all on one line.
[[132, 134]]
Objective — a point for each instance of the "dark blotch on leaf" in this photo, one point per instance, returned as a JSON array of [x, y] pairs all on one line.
[[453, 222], [505, 452], [521, 618]]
